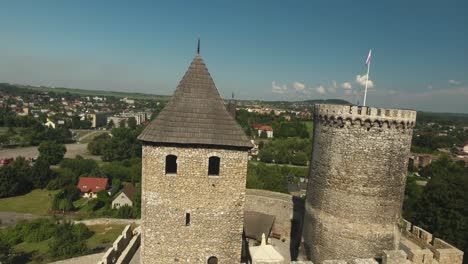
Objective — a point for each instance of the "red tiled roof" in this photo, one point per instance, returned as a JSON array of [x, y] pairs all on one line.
[[87, 184], [257, 126], [266, 128]]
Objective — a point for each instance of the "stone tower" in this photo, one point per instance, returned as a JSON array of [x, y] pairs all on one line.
[[194, 174], [357, 181]]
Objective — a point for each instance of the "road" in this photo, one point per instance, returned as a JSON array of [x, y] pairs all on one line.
[[32, 152]]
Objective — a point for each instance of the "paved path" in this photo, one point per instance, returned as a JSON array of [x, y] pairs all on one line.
[[88, 259], [109, 221], [32, 152], [10, 218]]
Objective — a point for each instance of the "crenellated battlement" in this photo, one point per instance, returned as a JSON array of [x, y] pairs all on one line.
[[341, 115], [428, 246]]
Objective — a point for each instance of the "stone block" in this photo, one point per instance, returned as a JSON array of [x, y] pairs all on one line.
[[394, 257]]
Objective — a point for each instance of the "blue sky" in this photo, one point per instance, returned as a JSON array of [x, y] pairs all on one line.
[[270, 50]]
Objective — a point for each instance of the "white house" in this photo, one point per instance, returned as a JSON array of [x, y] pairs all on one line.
[[125, 197]]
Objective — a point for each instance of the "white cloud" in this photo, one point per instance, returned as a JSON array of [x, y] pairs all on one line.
[[346, 85], [279, 89], [332, 89], [320, 89], [361, 80], [454, 82], [335, 85], [298, 86]]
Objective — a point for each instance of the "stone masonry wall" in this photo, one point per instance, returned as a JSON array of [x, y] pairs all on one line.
[[429, 248], [215, 204], [279, 205], [357, 180]]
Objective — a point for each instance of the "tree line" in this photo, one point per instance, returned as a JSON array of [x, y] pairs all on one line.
[[295, 151], [282, 127], [64, 240], [21, 176], [441, 207]]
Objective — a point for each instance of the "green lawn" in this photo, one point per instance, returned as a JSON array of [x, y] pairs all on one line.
[[310, 126], [104, 235], [36, 202]]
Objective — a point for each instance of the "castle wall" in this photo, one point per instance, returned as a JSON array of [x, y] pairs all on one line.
[[422, 247], [280, 205], [357, 180], [215, 204]]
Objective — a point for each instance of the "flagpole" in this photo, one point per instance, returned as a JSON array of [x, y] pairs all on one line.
[[367, 80]]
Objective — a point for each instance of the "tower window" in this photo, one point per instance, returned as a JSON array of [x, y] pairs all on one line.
[[213, 166], [171, 164], [213, 260], [187, 219]]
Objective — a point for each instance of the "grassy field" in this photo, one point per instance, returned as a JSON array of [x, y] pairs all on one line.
[[104, 235], [310, 126], [36, 202]]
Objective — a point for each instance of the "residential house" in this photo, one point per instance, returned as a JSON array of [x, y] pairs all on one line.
[[261, 128], [89, 186], [420, 160], [465, 148], [126, 197]]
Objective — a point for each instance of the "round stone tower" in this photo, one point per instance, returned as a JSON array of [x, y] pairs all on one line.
[[357, 181]]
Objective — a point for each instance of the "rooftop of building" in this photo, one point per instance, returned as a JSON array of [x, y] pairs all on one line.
[[196, 114]]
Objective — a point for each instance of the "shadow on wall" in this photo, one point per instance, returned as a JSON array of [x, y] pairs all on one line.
[[296, 226]]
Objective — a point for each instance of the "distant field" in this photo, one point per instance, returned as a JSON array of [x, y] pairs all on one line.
[[37, 202], [100, 93], [104, 235], [32, 152]]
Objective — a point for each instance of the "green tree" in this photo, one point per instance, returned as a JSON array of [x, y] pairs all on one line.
[[67, 242], [123, 123], [125, 212], [5, 251], [266, 155], [261, 144], [299, 159], [103, 200], [110, 125], [442, 206], [15, 178], [41, 173], [263, 134], [132, 124], [52, 152]]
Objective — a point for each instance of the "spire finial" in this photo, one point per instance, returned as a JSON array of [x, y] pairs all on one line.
[[198, 46]]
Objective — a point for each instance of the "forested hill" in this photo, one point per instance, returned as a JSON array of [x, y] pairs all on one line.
[[21, 90]]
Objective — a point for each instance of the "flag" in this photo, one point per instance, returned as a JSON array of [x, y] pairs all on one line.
[[369, 57]]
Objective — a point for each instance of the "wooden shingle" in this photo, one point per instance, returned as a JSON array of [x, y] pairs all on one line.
[[196, 114]]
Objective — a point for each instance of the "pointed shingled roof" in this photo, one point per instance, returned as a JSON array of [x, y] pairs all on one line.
[[196, 114]]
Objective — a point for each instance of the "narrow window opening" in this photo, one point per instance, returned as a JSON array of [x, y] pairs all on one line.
[[171, 164], [213, 260], [187, 219], [213, 166]]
